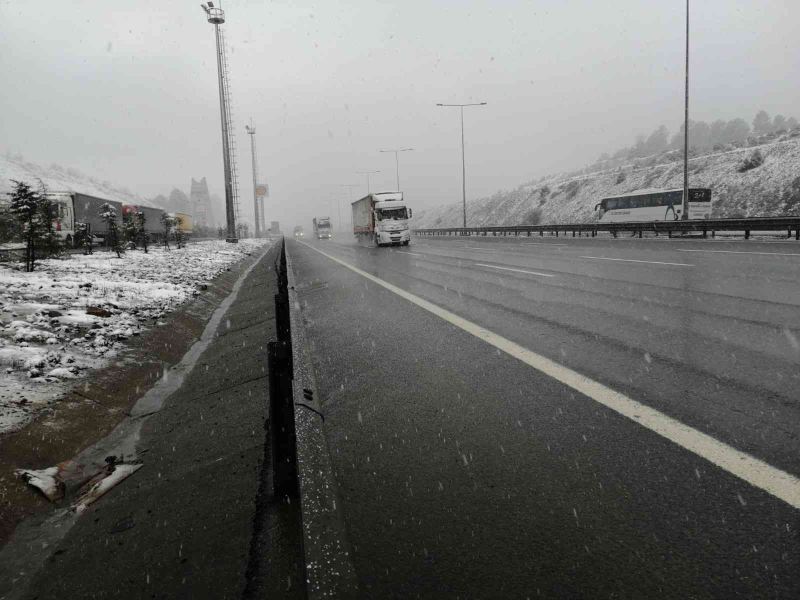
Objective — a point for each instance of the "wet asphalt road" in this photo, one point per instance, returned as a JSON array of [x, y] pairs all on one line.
[[464, 472]]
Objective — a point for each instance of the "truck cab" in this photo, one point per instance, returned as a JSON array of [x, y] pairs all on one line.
[[322, 228], [391, 216]]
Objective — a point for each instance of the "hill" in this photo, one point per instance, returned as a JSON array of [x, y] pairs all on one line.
[[769, 189], [61, 179]]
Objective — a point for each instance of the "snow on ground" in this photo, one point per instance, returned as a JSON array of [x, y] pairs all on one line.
[[74, 314], [772, 189]]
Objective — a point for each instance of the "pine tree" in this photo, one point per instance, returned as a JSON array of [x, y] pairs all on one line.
[[84, 237], [762, 123], [109, 216], [169, 223], [179, 237], [140, 222], [130, 230], [33, 210]]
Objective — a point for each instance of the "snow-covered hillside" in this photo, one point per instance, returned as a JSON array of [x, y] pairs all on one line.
[[60, 179], [771, 189]]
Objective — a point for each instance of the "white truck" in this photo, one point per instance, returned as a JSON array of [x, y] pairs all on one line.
[[382, 219], [322, 228]]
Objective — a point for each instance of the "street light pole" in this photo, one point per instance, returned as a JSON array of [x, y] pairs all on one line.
[[685, 211], [251, 131], [397, 162], [216, 16], [367, 173], [463, 159]]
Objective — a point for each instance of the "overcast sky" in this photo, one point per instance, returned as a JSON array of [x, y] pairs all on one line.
[[126, 91]]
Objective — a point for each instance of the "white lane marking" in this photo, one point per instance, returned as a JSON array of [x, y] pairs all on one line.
[[515, 270], [540, 244], [482, 249], [757, 473], [407, 252], [649, 262], [741, 252]]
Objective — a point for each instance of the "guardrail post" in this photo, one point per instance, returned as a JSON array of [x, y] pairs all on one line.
[[797, 233], [281, 420], [747, 234]]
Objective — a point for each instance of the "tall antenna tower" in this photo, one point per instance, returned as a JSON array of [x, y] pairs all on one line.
[[258, 194], [216, 16]]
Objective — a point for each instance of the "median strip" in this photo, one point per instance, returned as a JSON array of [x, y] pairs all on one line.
[[754, 471]]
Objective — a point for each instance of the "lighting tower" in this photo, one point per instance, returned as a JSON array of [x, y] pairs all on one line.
[[463, 161], [258, 207], [367, 173], [397, 162], [216, 16]]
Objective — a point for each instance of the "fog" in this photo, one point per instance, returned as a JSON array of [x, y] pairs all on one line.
[[127, 92]]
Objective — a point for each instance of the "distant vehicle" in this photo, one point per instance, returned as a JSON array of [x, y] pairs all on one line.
[[185, 222], [298, 231], [382, 219], [275, 228], [654, 205], [322, 228]]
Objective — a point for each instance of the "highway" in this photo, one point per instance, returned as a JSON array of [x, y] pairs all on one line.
[[562, 417]]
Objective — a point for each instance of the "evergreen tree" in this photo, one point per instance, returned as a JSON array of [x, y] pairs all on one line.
[[130, 229], [169, 223], [762, 123], [109, 217], [33, 211], [179, 236], [140, 224]]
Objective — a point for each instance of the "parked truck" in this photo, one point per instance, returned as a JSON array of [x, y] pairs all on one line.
[[322, 228], [382, 219], [275, 228]]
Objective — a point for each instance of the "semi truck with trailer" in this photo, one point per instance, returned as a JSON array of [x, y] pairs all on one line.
[[74, 210], [322, 228], [382, 219]]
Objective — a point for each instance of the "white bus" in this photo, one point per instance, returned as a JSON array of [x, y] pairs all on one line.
[[654, 205]]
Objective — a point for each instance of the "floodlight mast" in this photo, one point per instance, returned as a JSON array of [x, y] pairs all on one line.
[[258, 211], [216, 16]]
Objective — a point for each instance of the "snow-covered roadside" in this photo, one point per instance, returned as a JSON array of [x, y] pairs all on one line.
[[73, 315]]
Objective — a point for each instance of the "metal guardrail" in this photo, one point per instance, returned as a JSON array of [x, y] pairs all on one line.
[[791, 225]]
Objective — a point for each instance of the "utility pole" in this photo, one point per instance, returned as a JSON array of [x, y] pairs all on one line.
[[251, 131], [397, 162], [216, 16], [685, 211], [367, 173], [463, 160]]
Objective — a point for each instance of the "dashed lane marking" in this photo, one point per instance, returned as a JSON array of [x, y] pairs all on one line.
[[740, 252], [649, 262], [515, 270]]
